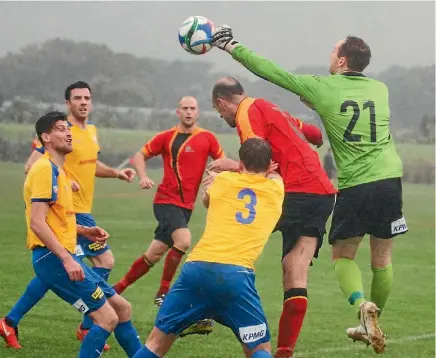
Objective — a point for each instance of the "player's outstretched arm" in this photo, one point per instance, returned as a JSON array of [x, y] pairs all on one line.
[[305, 86], [224, 164], [103, 171], [32, 160]]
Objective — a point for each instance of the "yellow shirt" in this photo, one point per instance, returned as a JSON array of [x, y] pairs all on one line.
[[243, 211], [80, 165], [48, 183]]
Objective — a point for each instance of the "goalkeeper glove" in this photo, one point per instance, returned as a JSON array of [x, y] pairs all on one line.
[[223, 38]]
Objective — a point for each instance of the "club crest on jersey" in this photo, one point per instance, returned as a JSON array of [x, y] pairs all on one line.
[[188, 149]]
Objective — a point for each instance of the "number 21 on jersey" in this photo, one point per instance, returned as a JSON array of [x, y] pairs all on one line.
[[248, 216]]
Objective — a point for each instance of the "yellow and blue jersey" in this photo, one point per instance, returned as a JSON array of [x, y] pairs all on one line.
[[46, 182], [81, 164], [243, 211]]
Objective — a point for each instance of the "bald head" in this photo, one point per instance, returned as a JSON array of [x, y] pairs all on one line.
[[188, 101], [188, 112], [227, 88]]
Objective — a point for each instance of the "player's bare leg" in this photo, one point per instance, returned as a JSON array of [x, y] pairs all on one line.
[[124, 332], [142, 265], [182, 241], [105, 320], [158, 344], [105, 260], [295, 272], [350, 281], [102, 265]]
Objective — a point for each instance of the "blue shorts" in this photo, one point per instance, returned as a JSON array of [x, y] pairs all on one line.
[[225, 293], [86, 247], [86, 296]]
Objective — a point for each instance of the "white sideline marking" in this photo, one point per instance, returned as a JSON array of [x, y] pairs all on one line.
[[360, 345]]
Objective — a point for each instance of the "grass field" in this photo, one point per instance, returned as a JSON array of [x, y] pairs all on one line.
[[125, 140], [125, 211]]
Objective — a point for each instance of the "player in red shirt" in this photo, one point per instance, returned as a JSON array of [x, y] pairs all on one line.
[[185, 149], [309, 197]]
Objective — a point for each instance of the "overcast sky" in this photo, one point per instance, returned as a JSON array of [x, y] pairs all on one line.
[[291, 33]]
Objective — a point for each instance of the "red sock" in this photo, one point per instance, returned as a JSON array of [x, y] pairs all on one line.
[[172, 261], [291, 320], [138, 269]]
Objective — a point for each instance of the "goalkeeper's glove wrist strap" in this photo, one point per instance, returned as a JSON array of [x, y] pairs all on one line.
[[231, 45]]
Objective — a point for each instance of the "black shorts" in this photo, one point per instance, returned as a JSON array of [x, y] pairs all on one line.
[[304, 215], [170, 218], [374, 208]]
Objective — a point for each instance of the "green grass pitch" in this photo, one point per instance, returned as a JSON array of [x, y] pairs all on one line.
[[126, 212]]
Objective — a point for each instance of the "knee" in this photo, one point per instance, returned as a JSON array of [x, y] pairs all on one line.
[[108, 319], [153, 257], [123, 310], [339, 253], [112, 321], [182, 239], [105, 260]]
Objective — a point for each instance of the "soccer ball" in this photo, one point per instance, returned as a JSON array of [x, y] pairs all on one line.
[[195, 35]]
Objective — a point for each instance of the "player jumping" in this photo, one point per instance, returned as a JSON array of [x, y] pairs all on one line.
[[81, 166], [309, 197], [51, 235], [355, 112], [185, 149], [218, 278]]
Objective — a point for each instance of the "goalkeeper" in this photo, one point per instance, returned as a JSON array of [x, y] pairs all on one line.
[[355, 112]]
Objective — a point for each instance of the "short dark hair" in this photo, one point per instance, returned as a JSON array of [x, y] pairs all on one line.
[[357, 53], [255, 154], [227, 88], [46, 123], [78, 84]]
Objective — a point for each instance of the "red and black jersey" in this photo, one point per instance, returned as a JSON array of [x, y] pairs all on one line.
[[299, 164], [184, 157]]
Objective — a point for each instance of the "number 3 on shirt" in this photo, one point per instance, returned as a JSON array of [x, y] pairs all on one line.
[[250, 206]]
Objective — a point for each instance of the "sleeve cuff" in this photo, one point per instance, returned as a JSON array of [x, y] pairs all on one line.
[[40, 200]]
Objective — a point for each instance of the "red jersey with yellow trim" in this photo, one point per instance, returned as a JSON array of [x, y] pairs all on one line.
[[299, 164], [184, 157]]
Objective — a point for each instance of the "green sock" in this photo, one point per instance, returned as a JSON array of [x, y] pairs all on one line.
[[350, 281], [381, 286]]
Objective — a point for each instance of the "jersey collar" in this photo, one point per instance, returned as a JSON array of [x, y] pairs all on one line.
[[195, 130], [355, 74]]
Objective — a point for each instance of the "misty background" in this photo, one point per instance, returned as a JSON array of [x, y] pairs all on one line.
[[129, 53]]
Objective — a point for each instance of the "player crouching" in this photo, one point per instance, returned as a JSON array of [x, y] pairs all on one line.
[[217, 281]]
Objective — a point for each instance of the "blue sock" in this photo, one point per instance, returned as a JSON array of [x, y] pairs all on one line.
[[127, 337], [261, 354], [35, 291], [144, 352], [93, 343], [104, 273]]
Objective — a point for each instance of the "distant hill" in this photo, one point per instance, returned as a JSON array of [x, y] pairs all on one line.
[[41, 72]]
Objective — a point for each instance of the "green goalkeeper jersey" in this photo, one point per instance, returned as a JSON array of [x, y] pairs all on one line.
[[355, 112]]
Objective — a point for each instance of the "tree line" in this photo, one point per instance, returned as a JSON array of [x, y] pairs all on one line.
[[137, 92]]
